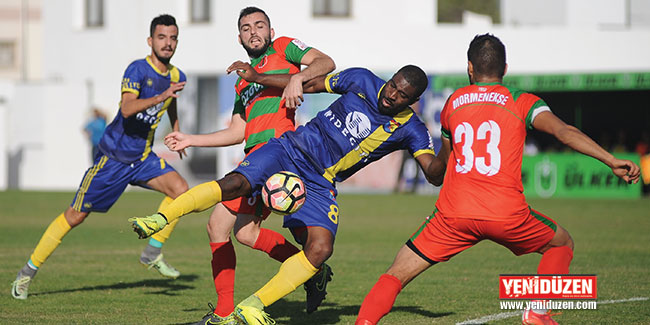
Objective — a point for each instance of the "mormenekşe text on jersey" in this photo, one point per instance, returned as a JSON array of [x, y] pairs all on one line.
[[537, 286]]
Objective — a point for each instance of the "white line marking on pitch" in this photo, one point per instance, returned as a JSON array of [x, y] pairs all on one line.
[[499, 316]]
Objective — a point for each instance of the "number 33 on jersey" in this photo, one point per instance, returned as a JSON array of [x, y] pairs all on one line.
[[486, 124]]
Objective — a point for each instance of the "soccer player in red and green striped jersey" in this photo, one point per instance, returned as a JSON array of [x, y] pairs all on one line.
[[260, 113]]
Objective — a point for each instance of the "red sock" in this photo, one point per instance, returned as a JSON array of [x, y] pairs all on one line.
[[379, 300], [275, 245], [556, 260], [223, 272]]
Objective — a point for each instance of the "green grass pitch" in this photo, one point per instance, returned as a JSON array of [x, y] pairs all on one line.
[[94, 276]]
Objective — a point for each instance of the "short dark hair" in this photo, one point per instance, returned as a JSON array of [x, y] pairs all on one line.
[[251, 10], [415, 77], [164, 19], [488, 55]]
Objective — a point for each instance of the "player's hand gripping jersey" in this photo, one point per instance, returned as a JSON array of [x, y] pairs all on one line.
[[486, 124], [130, 139], [265, 114], [351, 133]]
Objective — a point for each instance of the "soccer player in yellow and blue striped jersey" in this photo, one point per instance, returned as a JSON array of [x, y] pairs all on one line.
[[149, 89]]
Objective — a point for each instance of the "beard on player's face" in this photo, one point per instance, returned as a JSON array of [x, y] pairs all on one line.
[[164, 58], [258, 51]]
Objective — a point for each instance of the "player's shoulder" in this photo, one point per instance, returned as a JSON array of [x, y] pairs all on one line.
[[283, 42], [176, 69], [138, 63], [521, 96], [360, 72]]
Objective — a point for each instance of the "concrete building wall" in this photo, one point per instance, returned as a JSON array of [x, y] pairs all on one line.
[[80, 67]]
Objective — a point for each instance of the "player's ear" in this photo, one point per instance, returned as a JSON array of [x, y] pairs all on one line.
[[239, 39], [272, 33], [505, 70], [150, 41]]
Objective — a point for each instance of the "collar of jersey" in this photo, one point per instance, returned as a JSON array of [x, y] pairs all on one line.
[[153, 66]]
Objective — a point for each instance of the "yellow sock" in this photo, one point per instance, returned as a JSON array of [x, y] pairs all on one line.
[[295, 271], [50, 240], [198, 198], [164, 234]]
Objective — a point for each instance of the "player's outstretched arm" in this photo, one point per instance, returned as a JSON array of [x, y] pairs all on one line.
[[580, 142], [234, 134], [318, 64], [246, 72], [433, 168], [131, 104]]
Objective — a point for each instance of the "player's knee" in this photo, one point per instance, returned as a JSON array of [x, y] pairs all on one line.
[[318, 252], [179, 188], [74, 218], [234, 185], [246, 237], [216, 234], [565, 237]]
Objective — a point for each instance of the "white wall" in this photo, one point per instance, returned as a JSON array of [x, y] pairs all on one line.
[[382, 35], [45, 122]]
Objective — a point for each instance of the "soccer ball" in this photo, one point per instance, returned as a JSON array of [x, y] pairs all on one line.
[[284, 192]]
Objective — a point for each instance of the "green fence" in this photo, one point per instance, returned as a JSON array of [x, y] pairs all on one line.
[[574, 175]]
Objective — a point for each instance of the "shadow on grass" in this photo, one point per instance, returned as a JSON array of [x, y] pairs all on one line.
[[168, 287], [330, 313]]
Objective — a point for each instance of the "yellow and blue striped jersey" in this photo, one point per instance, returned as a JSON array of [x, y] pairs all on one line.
[[130, 139], [351, 133]]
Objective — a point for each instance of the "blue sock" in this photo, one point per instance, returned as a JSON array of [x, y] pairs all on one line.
[[153, 242]]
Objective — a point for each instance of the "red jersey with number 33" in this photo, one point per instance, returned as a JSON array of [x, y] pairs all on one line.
[[486, 124]]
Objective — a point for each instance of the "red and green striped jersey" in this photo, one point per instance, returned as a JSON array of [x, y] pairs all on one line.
[[265, 114]]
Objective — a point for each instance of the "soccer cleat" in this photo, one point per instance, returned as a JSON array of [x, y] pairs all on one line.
[[316, 286], [247, 315], [147, 226], [529, 317], [20, 286], [162, 267], [213, 319]]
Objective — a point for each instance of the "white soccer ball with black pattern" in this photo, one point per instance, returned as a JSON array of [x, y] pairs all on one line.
[[284, 193]]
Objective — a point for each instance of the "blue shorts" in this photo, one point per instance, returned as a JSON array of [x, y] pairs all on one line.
[[320, 208], [107, 179]]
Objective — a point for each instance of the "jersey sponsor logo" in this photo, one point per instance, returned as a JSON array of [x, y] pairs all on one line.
[[150, 115], [244, 163], [470, 98], [302, 46], [251, 92], [391, 126], [358, 124]]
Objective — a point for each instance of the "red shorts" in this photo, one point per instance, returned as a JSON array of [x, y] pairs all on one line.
[[248, 205], [440, 238]]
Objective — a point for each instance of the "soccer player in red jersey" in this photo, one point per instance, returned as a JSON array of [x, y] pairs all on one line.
[[260, 113], [483, 131]]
